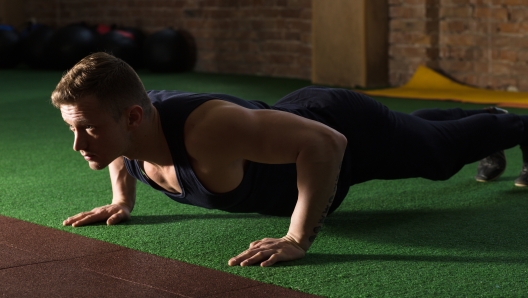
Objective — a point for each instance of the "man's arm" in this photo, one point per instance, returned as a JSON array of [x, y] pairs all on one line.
[[276, 137], [318, 169], [123, 200]]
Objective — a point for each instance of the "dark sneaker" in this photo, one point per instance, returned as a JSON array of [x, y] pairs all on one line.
[[495, 110], [522, 180], [491, 167]]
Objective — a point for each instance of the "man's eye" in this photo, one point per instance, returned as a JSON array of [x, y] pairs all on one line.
[[89, 127]]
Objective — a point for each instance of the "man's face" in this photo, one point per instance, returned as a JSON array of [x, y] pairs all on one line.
[[98, 137]]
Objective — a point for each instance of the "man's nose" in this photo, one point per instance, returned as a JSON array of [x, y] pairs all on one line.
[[79, 142]]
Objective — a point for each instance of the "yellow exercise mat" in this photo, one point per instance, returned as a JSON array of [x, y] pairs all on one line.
[[430, 85]]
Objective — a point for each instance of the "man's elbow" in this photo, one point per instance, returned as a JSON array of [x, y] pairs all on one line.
[[336, 142], [342, 140]]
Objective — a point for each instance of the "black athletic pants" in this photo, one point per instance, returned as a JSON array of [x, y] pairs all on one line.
[[435, 144], [383, 144]]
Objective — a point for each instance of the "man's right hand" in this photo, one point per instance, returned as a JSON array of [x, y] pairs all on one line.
[[113, 214]]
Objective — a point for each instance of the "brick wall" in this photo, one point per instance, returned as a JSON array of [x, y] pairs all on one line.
[[262, 37], [477, 42]]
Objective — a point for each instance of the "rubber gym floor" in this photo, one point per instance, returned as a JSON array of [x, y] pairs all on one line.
[[404, 238]]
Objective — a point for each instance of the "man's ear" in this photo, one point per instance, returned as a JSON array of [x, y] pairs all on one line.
[[134, 116]]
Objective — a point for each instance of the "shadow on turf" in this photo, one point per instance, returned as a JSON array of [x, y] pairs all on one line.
[[161, 219], [503, 227], [499, 230], [496, 228], [319, 258]]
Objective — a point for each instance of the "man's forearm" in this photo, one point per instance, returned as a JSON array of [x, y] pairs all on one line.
[[309, 215], [123, 185], [317, 184]]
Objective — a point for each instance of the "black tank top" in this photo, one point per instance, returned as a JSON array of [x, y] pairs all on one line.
[[266, 189]]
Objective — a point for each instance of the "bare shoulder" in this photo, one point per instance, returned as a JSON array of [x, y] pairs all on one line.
[[215, 116], [216, 110], [213, 129], [223, 133]]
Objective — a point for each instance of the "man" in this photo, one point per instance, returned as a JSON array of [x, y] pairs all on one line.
[[297, 158]]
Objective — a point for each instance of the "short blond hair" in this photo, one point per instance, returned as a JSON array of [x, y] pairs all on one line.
[[111, 80]]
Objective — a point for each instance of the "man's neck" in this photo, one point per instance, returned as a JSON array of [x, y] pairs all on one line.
[[149, 142]]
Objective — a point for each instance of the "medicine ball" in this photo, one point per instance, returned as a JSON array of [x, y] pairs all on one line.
[[35, 46], [9, 47], [168, 50], [70, 44], [139, 35], [121, 44], [103, 28]]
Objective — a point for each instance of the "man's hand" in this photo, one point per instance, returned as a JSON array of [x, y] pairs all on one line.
[[269, 251], [113, 214]]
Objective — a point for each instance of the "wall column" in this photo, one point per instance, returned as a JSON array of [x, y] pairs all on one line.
[[350, 43]]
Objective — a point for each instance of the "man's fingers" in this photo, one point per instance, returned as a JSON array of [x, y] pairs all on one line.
[[77, 223], [236, 260], [257, 258], [254, 243], [271, 260], [112, 214], [267, 252], [112, 220], [250, 257], [116, 218], [87, 219], [73, 219], [240, 258]]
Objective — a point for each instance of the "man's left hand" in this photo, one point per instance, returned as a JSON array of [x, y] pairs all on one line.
[[269, 251]]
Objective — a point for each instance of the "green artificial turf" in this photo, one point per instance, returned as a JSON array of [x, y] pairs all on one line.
[[389, 238]]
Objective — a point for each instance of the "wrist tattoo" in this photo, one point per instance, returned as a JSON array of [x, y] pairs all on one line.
[[325, 211]]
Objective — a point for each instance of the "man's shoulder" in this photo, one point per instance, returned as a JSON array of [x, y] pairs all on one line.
[[163, 95]]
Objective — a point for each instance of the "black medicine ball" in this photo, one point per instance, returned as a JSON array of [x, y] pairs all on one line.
[[70, 44], [169, 50], [9, 47], [35, 46], [121, 44]]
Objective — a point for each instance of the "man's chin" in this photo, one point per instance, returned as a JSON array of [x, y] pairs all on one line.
[[96, 165]]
